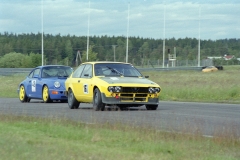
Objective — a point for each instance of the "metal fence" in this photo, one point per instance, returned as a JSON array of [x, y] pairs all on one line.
[[142, 65]]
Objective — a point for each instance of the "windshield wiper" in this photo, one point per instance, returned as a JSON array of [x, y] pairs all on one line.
[[114, 71]]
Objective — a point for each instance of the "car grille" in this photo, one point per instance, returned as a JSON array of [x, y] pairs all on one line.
[[134, 94], [135, 89]]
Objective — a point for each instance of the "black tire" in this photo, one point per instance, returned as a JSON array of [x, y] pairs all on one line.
[[72, 102], [22, 95], [151, 107], [97, 101]]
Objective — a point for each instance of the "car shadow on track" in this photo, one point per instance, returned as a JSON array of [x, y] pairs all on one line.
[[107, 108]]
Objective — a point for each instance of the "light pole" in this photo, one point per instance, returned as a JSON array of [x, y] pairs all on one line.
[[127, 34], [88, 29], [42, 32], [199, 37], [163, 36], [114, 47]]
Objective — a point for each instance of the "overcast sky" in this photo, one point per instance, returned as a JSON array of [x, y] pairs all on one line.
[[215, 19]]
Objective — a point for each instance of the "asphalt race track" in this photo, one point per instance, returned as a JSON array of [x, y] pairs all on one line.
[[208, 119]]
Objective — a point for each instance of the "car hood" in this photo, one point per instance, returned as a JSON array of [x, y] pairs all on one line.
[[129, 80], [54, 79]]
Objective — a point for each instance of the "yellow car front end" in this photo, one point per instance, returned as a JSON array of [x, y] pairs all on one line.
[[125, 91]]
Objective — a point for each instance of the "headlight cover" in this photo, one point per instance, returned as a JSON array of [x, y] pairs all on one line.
[[115, 89], [57, 84], [154, 90]]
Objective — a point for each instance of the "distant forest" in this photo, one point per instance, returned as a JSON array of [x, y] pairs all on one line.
[[58, 48]]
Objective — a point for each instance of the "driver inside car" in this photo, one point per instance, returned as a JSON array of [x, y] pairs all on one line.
[[61, 73]]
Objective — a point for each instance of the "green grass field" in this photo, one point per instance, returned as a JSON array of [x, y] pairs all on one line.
[[34, 138], [221, 86], [24, 137]]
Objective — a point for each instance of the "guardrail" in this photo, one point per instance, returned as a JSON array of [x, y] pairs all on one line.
[[11, 71], [170, 68]]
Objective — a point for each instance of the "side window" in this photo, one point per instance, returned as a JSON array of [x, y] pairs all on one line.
[[87, 72], [37, 72], [31, 74], [78, 71], [34, 73]]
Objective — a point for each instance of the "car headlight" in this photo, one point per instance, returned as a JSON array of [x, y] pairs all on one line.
[[114, 89], [57, 84], [111, 89], [118, 89], [157, 90], [153, 90]]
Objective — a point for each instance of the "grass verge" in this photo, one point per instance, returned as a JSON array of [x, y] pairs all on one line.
[[196, 86], [25, 137]]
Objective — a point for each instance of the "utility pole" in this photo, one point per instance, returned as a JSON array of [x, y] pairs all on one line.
[[199, 37], [78, 56], [42, 33], [114, 47], [88, 29], [127, 35], [164, 37]]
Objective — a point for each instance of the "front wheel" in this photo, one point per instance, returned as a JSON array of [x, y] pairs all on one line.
[[97, 101], [151, 107], [22, 95], [72, 102], [45, 95]]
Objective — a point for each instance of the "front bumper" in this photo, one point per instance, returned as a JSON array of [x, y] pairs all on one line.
[[57, 94], [131, 100]]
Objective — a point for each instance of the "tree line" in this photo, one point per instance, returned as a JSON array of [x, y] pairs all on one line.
[[58, 49]]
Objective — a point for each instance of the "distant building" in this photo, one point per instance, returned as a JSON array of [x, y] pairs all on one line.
[[214, 57], [225, 57], [228, 57]]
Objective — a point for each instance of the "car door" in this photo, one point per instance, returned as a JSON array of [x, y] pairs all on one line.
[[33, 79], [76, 82], [85, 83]]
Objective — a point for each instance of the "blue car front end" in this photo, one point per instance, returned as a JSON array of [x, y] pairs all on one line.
[[56, 89]]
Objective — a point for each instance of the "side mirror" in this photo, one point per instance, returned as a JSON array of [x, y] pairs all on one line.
[[35, 76]]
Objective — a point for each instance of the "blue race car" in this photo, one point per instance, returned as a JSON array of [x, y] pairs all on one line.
[[46, 83]]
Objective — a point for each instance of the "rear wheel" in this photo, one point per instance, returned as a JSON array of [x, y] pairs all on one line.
[[45, 95], [97, 101], [22, 95], [151, 107], [72, 102]]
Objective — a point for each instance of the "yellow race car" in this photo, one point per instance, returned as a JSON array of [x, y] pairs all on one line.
[[210, 69], [111, 84]]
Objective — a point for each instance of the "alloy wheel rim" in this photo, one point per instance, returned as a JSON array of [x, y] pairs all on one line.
[[22, 92], [45, 93]]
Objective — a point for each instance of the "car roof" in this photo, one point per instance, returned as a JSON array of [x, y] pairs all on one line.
[[99, 62], [52, 66]]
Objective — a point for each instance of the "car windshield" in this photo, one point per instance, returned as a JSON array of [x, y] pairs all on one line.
[[56, 71], [116, 69], [210, 67]]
